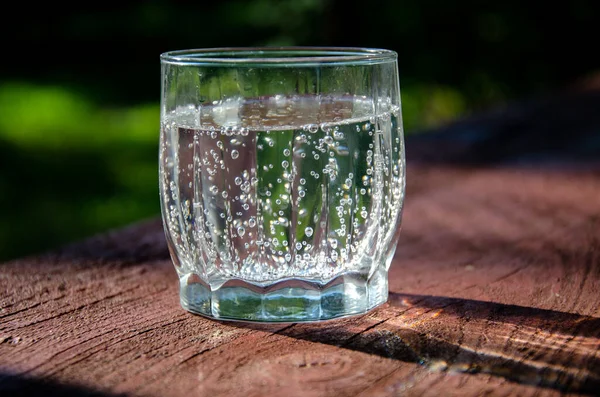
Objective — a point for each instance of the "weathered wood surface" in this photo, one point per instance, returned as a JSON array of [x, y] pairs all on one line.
[[494, 290]]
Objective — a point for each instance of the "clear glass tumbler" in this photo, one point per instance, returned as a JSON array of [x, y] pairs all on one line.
[[282, 178]]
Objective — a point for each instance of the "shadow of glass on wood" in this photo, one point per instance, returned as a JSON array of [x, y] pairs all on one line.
[[15, 385], [551, 322], [530, 346]]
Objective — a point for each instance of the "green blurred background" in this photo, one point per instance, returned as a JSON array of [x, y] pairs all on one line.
[[79, 85]]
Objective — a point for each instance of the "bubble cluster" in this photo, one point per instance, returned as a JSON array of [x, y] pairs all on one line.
[[261, 203]]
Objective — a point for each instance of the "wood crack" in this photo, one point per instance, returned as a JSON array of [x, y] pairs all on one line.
[[106, 343], [349, 341], [375, 383], [70, 311], [53, 356], [510, 274], [201, 352], [21, 310]]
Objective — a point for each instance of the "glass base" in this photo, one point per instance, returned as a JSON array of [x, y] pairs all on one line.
[[290, 300]]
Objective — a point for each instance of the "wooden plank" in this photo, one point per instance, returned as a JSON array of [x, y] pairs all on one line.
[[494, 290]]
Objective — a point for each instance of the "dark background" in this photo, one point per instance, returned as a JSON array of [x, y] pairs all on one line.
[[79, 85]]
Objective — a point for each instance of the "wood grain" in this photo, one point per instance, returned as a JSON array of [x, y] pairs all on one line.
[[494, 290]]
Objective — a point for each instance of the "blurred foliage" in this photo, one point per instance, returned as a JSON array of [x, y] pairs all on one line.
[[71, 168], [79, 94]]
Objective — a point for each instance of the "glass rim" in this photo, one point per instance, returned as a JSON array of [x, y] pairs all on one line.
[[278, 56]]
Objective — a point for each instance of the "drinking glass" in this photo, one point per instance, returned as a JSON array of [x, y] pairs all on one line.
[[282, 175]]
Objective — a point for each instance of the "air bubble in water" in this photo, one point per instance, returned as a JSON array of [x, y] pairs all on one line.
[[313, 128], [241, 231], [252, 222], [286, 152], [213, 189], [302, 138], [308, 231], [285, 164], [238, 180], [235, 154], [364, 214]]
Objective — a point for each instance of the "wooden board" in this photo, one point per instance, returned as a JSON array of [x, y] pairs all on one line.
[[494, 290]]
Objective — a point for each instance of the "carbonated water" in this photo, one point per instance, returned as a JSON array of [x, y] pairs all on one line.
[[302, 193]]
